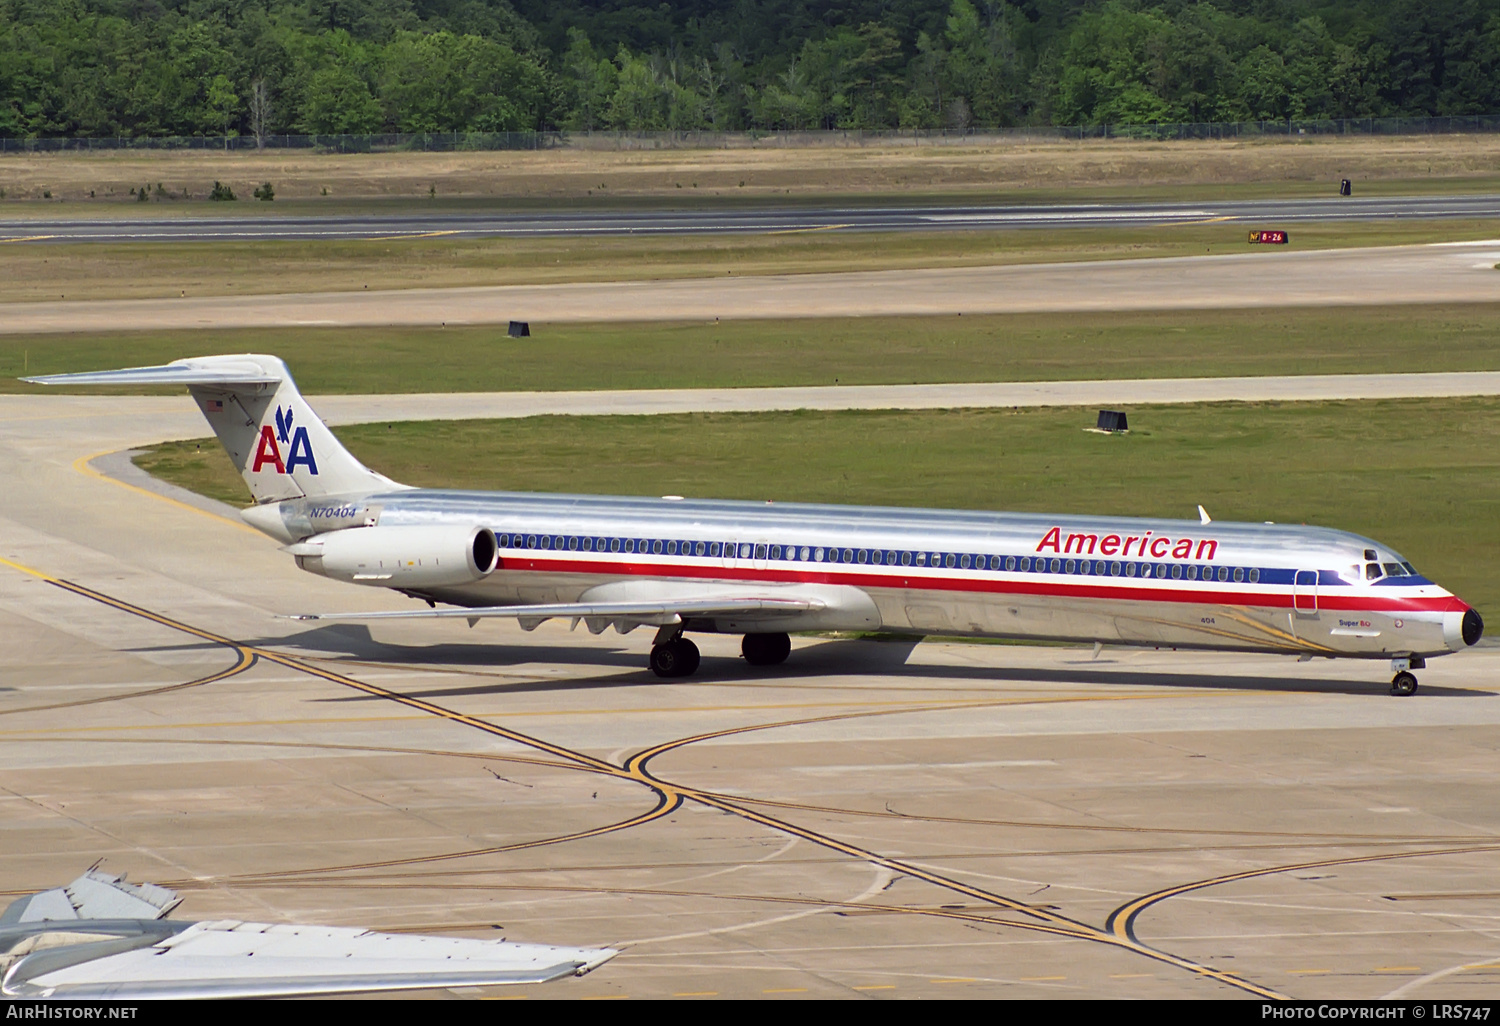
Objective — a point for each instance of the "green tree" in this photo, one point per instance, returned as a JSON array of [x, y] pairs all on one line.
[[339, 101], [589, 83], [638, 102], [983, 66]]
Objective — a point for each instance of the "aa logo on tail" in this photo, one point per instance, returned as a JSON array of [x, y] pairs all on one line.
[[299, 451]]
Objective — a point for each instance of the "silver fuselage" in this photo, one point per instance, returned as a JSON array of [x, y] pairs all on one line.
[[1163, 583]]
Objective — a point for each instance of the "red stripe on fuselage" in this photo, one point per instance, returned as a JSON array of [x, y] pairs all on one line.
[[1129, 592]]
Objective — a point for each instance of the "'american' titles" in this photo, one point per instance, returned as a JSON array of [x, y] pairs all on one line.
[[1145, 546]]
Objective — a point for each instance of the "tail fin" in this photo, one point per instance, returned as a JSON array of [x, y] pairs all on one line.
[[279, 445]]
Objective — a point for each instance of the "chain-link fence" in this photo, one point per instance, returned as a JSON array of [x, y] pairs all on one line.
[[699, 139]]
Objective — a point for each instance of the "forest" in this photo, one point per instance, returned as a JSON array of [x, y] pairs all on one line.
[[256, 67]]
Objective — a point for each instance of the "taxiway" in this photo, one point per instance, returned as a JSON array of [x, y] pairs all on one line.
[[874, 819]]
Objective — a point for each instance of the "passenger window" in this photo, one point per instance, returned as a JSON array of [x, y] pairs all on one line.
[[948, 560], [806, 552], [963, 561], [1239, 575], [1223, 573], [760, 551], [1254, 575], [1129, 569], [671, 548], [906, 559], [699, 548], [1072, 566], [848, 555], [1176, 571], [1010, 562], [614, 545], [864, 555], [1056, 565], [775, 551], [817, 555]]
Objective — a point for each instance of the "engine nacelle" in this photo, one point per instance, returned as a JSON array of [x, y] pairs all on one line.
[[415, 557]]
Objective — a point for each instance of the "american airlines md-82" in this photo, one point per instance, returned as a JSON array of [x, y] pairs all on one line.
[[763, 570]]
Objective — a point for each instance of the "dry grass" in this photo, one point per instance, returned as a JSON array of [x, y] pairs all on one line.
[[1003, 169]]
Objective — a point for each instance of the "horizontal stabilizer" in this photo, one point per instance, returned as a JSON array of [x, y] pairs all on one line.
[[656, 612], [210, 370]]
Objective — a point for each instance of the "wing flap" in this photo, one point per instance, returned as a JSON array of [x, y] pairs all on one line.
[[600, 614], [231, 959]]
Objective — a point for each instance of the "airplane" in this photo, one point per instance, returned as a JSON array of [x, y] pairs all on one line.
[[766, 570], [102, 939]]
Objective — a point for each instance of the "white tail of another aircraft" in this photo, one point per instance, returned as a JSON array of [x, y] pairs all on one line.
[[279, 446]]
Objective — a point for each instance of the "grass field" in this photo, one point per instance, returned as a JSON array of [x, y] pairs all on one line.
[[891, 350], [1420, 475], [70, 270], [1006, 170]]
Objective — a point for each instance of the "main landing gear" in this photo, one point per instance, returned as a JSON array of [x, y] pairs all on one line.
[[1405, 682], [676, 656], [766, 649]]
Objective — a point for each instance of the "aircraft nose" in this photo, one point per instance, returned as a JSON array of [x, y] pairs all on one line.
[[1473, 627], [1462, 626]]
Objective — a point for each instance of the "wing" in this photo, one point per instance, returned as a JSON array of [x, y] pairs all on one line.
[[599, 615], [230, 959]]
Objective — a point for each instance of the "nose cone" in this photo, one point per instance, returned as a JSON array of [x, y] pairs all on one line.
[[1473, 627], [1462, 627]]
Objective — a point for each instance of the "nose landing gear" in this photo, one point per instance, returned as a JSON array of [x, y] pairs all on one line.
[[1404, 683]]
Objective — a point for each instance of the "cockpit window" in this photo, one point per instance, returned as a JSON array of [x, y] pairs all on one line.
[[1410, 569], [1372, 571], [1395, 570]]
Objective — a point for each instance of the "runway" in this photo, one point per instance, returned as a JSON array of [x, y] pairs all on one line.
[[257, 224], [873, 820], [1441, 273]]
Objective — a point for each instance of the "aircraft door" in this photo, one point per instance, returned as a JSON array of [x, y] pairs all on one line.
[[1305, 593]]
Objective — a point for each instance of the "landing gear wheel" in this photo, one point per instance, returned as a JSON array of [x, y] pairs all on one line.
[[1404, 683], [676, 658], [766, 649]]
